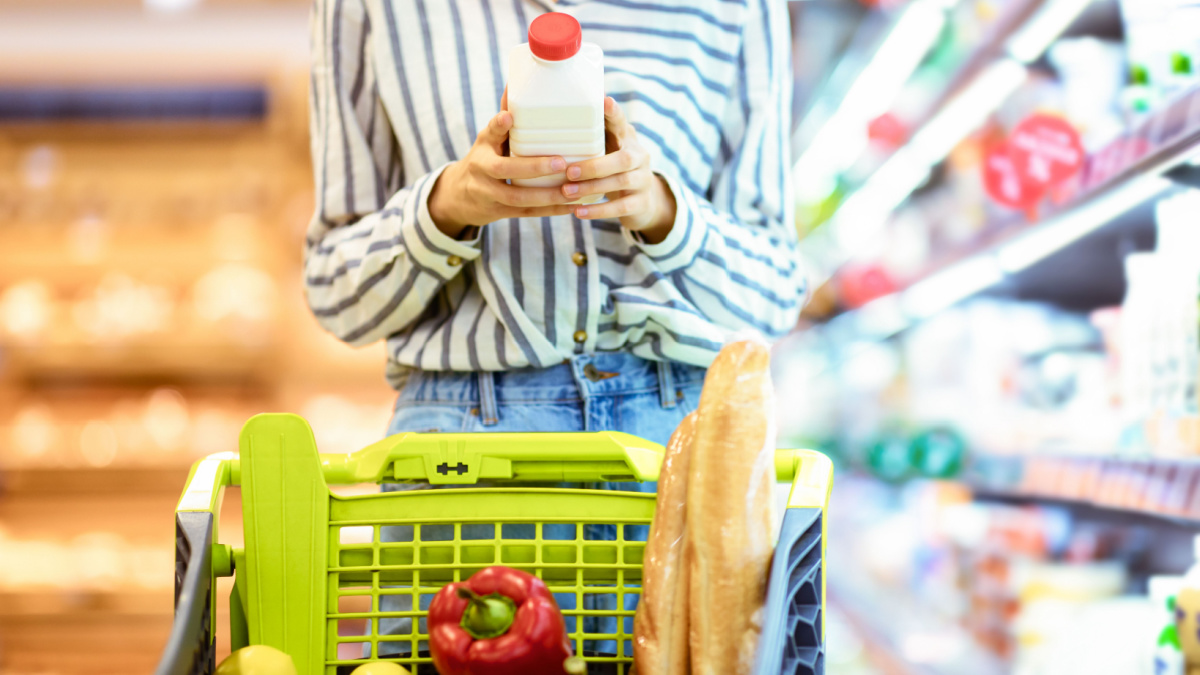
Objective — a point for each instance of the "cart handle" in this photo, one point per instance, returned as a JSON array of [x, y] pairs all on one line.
[[465, 459]]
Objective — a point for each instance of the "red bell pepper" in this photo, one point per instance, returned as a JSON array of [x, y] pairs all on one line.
[[501, 621]]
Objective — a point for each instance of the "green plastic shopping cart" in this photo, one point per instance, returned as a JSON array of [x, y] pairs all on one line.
[[315, 562]]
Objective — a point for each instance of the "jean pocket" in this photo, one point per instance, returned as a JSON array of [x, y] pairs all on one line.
[[429, 419]]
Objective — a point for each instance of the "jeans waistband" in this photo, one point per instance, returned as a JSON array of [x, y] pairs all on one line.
[[583, 376]]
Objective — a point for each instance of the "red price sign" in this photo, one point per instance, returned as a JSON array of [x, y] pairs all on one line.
[[861, 283], [1046, 150], [1005, 183]]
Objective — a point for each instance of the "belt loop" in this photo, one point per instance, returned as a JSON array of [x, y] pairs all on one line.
[[666, 384], [488, 414]]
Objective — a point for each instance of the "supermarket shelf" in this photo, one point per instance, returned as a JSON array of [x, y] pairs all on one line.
[[158, 359], [122, 602], [141, 481], [899, 628], [1166, 489], [161, 255], [126, 43], [886, 37], [1129, 173]]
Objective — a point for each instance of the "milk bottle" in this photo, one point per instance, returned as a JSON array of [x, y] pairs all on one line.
[[556, 96]]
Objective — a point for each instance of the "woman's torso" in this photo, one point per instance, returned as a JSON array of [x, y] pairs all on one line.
[[529, 300]]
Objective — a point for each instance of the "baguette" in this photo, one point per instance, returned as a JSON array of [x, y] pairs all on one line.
[[660, 628], [729, 511]]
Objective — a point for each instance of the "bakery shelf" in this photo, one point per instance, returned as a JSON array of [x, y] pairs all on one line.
[[140, 360], [79, 481], [116, 602]]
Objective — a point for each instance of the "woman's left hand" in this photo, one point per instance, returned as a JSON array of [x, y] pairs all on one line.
[[637, 197]]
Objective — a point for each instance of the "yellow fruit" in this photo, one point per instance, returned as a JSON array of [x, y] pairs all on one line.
[[379, 668], [257, 660]]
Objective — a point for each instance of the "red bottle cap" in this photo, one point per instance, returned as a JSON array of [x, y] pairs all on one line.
[[555, 36]]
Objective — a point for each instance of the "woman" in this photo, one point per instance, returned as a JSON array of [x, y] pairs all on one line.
[[505, 308]]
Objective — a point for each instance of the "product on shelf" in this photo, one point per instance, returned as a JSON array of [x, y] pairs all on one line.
[[1168, 651], [1187, 603], [96, 562], [1160, 336], [120, 307], [1092, 73], [241, 296], [26, 309], [1162, 38], [1040, 589]]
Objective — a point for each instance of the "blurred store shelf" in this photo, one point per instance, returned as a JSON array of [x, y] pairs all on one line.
[[869, 619], [904, 636], [1158, 487], [33, 482], [889, 47], [106, 42], [1131, 172], [150, 360], [71, 643], [82, 603]]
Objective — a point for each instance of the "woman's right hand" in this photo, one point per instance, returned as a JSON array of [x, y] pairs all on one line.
[[473, 191]]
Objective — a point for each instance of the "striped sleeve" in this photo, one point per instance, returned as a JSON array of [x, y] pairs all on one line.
[[734, 256], [374, 259]]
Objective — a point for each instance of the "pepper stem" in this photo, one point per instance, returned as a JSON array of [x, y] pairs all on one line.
[[575, 666], [486, 617]]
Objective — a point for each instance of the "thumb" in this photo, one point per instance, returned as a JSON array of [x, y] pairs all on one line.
[[496, 131], [504, 99]]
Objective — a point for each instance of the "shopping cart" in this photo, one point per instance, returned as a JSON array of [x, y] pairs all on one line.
[[315, 564]]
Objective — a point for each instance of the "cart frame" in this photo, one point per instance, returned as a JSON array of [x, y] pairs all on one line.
[[298, 573]]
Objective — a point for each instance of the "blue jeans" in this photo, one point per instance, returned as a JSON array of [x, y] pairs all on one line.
[[607, 391]]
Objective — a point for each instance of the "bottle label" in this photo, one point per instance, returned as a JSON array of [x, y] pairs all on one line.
[[1168, 661]]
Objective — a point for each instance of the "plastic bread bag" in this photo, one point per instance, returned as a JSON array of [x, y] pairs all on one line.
[[731, 500], [660, 628]]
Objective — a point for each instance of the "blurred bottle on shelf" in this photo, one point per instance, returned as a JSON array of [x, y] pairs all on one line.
[[1168, 650], [1187, 604], [1162, 38], [1160, 337]]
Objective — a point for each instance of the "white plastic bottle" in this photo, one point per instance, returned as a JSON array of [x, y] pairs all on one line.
[[556, 95]]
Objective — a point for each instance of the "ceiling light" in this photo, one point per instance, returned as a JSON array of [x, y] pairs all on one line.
[[1040, 31]]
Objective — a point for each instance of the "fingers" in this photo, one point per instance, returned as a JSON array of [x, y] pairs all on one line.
[[526, 197], [628, 180], [633, 204], [539, 211], [625, 159], [504, 99], [496, 131], [503, 168]]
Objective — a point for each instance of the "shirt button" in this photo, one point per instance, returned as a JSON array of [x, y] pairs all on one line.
[[579, 258], [454, 260], [580, 336]]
